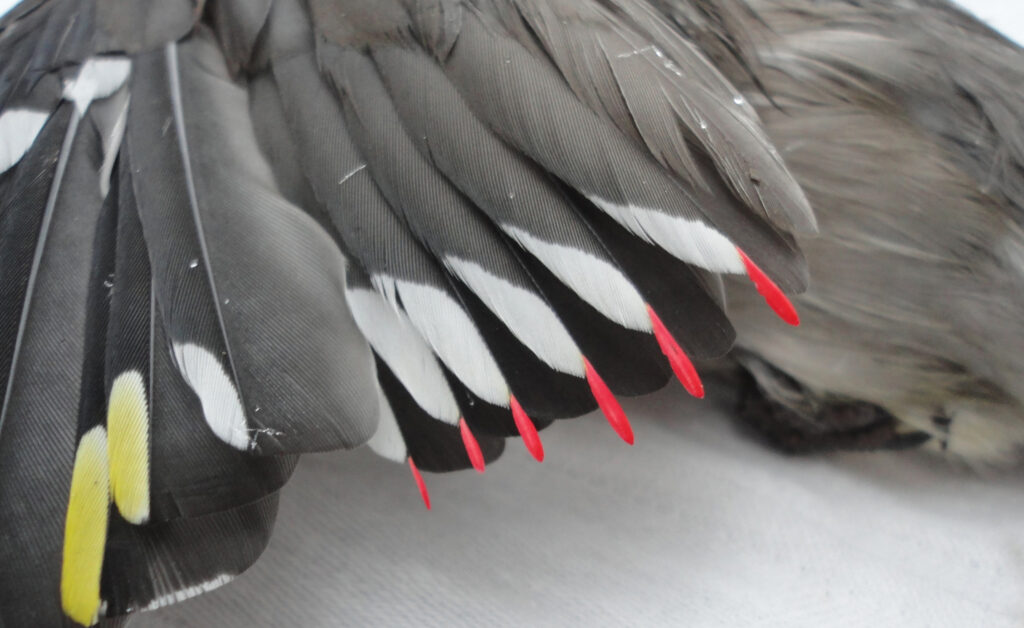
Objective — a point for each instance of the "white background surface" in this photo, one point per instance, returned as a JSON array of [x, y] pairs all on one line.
[[696, 525]]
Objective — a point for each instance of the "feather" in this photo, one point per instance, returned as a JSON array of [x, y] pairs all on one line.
[[172, 466], [502, 183], [395, 261], [45, 378], [433, 445], [238, 24], [231, 261], [625, 62], [85, 527], [149, 567], [135, 26], [403, 349], [527, 104], [450, 228]]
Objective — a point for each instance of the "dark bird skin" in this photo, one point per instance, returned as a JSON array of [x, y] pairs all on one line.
[[236, 231]]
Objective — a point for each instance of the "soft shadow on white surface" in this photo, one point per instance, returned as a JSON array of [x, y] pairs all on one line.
[[695, 525]]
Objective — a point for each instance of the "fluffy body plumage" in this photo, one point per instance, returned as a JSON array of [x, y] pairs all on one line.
[[235, 231], [903, 123]]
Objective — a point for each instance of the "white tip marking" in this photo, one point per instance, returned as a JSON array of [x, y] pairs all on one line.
[[112, 146], [222, 406], [18, 131], [189, 592], [98, 78], [692, 241], [387, 441], [596, 281], [406, 353], [452, 334], [527, 316]]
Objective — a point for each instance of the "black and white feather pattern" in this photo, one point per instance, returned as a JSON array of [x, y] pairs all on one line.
[[236, 231]]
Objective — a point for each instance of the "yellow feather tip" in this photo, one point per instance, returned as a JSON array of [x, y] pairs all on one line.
[[128, 431], [85, 530]]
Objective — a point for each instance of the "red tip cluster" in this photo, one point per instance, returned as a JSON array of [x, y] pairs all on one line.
[[777, 300], [608, 404], [681, 364], [526, 429]]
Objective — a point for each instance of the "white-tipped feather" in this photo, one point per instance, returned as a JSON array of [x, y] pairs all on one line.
[[692, 241], [405, 352], [596, 281], [452, 334], [98, 78], [387, 441], [18, 130], [222, 407], [37, 258], [528, 317]]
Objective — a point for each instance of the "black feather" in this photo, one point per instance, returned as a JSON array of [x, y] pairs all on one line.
[[232, 259], [42, 403]]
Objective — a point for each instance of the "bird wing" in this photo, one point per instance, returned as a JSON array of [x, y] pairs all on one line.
[[232, 232]]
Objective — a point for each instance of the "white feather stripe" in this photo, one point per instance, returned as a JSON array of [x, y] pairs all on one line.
[[222, 406], [525, 314], [692, 241], [387, 441], [596, 281], [405, 352], [18, 131], [188, 592], [98, 78], [452, 334]]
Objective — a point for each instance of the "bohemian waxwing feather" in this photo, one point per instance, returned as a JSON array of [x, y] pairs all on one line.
[[519, 198], [47, 371], [238, 25], [395, 261], [164, 462], [149, 567], [433, 445], [449, 226], [524, 100], [231, 261]]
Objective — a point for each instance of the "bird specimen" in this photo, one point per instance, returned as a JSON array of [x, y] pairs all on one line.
[[236, 231]]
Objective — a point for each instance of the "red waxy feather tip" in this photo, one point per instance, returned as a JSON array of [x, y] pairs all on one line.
[[608, 403], [776, 299], [476, 457], [681, 364], [420, 483], [526, 429]]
